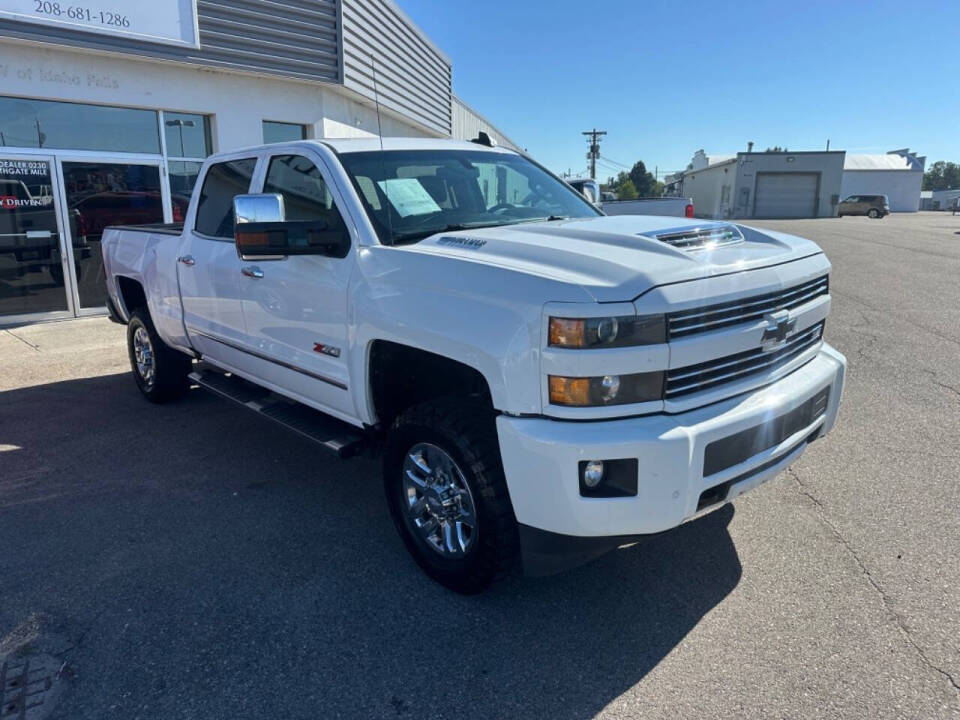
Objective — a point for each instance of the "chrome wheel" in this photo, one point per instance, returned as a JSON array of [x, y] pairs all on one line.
[[143, 356], [438, 501]]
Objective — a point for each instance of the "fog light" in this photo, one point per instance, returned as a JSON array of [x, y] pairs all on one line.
[[593, 473], [611, 387]]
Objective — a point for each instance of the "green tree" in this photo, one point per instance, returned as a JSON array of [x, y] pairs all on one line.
[[643, 181], [626, 190], [942, 176]]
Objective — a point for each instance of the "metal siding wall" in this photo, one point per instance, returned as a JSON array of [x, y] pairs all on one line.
[[412, 77], [467, 122], [292, 38]]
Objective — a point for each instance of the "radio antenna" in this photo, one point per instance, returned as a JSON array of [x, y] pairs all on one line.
[[383, 166]]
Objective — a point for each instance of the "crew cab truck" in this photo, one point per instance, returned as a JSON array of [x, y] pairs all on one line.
[[543, 383]]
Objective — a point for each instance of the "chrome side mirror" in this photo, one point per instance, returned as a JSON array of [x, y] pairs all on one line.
[[265, 208]]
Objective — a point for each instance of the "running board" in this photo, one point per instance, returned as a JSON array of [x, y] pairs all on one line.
[[339, 437]]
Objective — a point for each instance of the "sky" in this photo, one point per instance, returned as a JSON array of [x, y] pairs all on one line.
[[665, 79]]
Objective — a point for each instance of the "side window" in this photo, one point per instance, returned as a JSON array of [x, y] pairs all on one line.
[[223, 182], [305, 194]]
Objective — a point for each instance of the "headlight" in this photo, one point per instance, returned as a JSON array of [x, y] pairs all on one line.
[[607, 332], [606, 389]]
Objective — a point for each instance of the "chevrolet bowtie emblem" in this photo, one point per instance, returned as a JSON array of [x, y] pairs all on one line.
[[780, 326]]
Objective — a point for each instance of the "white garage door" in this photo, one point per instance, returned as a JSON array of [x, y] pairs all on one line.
[[786, 195]]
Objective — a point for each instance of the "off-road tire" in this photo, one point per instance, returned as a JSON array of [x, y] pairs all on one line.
[[466, 430], [171, 367]]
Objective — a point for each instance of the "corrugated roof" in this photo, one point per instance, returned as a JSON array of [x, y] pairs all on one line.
[[876, 162]]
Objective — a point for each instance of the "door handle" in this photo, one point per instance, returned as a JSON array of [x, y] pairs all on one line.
[[252, 272], [187, 260]]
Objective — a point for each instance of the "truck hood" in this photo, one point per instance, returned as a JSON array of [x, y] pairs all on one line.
[[619, 258]]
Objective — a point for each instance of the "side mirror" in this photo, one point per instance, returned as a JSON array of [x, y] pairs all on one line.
[[261, 231]]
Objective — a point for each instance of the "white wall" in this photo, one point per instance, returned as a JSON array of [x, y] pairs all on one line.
[[902, 187], [238, 102], [706, 188]]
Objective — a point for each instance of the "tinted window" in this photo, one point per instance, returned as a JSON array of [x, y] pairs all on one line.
[[305, 194], [47, 124], [223, 182]]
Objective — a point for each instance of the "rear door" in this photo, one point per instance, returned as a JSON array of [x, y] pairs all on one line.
[[296, 307], [208, 266]]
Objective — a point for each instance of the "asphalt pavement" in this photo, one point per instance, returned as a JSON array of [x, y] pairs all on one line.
[[192, 561]]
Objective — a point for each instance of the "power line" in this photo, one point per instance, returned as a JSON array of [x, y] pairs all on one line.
[[611, 160], [594, 152]]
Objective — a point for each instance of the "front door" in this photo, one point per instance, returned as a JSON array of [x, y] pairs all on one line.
[[32, 260], [97, 195], [296, 308]]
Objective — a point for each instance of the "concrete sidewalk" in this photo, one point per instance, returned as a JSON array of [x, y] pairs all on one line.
[[63, 350]]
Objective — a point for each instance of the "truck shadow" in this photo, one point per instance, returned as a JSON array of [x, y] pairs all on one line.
[[209, 559]]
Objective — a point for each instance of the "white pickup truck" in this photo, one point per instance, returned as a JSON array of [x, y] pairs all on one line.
[[542, 382]]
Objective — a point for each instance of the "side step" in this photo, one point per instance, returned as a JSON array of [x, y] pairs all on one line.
[[339, 437]]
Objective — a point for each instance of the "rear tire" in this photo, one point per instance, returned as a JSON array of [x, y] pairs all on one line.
[[444, 480], [873, 213], [160, 371]]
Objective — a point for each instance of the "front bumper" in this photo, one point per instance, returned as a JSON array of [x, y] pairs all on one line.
[[560, 528]]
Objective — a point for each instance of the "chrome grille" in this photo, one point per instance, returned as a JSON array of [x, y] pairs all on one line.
[[694, 378], [699, 320]]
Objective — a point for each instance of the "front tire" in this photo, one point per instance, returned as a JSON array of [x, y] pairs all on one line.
[[873, 213], [447, 493], [160, 371]]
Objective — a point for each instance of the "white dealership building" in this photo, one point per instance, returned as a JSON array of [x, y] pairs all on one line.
[[107, 111]]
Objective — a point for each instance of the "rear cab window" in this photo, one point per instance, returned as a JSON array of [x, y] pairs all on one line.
[[223, 182]]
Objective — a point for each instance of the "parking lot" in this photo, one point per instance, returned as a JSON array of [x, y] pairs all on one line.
[[191, 561]]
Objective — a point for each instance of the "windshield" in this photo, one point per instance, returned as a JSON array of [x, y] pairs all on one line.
[[412, 194]]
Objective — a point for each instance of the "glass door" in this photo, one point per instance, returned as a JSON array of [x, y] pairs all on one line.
[[98, 194], [31, 253]]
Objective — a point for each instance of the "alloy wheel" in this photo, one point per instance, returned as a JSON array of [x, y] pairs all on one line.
[[143, 356], [438, 502]]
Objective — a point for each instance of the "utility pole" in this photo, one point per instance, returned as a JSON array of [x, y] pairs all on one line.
[[594, 151]]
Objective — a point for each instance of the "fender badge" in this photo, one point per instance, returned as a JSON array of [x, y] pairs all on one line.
[[326, 349]]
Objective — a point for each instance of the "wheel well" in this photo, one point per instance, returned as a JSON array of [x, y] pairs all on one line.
[[403, 376], [132, 294]]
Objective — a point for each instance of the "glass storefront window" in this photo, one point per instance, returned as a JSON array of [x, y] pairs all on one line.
[[187, 136], [99, 195], [47, 124], [183, 177], [274, 132]]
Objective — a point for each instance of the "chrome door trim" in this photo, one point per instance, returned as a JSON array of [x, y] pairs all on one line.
[[281, 363]]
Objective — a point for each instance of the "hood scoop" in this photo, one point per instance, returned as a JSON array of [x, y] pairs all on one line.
[[700, 238]]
